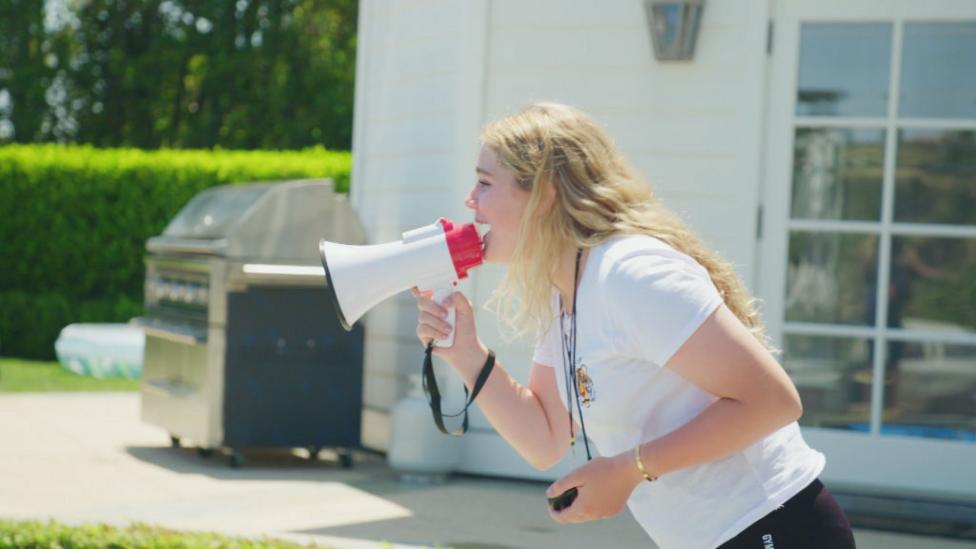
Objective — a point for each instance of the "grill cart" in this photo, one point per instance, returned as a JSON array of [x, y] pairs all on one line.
[[243, 346]]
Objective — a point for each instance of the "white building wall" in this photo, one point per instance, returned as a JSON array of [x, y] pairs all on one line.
[[430, 73], [416, 118], [692, 128]]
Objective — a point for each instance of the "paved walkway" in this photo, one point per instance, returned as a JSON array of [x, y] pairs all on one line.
[[86, 457]]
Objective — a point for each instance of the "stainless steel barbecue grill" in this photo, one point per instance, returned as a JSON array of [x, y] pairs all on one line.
[[243, 346]]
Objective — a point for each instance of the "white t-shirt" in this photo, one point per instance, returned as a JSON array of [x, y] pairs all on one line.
[[639, 300]]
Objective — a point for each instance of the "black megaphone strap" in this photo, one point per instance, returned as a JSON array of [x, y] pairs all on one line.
[[434, 394]]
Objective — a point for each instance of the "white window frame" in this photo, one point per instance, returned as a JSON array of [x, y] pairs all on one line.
[[864, 460]]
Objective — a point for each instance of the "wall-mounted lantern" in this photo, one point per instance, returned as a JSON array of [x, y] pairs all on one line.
[[674, 27]]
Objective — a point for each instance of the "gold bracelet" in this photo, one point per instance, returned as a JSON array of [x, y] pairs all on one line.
[[640, 465]]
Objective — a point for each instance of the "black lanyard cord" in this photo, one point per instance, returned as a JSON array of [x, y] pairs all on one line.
[[569, 354]]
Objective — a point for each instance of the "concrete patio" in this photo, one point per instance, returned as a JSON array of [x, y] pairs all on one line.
[[87, 457]]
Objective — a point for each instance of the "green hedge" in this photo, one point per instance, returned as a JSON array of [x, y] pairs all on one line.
[[74, 222], [52, 535]]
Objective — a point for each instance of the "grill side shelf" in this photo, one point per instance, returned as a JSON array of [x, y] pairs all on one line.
[[172, 332], [170, 245]]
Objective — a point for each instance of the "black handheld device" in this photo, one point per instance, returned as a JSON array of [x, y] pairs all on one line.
[[563, 500]]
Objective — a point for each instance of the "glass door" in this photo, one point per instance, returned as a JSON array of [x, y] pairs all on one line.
[[869, 255]]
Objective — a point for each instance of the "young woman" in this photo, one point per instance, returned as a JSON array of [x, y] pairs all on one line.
[[648, 343]]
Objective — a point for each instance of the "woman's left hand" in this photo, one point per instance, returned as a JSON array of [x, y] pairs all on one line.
[[604, 484]]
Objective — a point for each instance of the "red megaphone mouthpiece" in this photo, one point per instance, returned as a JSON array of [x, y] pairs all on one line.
[[464, 243]]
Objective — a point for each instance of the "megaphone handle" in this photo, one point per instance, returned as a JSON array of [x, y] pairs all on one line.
[[440, 296]]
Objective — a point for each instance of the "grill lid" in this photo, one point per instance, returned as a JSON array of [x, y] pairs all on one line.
[[262, 222], [212, 213]]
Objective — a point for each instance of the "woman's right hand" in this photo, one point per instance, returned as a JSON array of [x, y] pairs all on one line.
[[468, 353]]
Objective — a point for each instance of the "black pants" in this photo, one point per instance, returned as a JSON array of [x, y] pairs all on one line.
[[809, 520]]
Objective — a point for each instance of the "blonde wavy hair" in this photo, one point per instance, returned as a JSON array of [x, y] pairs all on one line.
[[598, 195]]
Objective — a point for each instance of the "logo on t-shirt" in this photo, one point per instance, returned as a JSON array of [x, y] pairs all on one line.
[[584, 384]]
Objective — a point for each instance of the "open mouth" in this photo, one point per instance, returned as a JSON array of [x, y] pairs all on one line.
[[483, 230]]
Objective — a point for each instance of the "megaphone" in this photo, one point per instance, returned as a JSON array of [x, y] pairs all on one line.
[[434, 257]]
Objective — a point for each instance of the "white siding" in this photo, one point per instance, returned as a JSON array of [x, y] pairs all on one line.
[[693, 129], [414, 142], [431, 72]]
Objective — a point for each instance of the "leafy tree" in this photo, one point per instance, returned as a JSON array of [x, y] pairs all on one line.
[[180, 73], [25, 72]]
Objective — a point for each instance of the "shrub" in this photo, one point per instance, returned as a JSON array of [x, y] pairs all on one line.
[[74, 222]]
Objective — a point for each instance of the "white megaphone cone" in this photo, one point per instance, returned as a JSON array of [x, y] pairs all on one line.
[[434, 257]]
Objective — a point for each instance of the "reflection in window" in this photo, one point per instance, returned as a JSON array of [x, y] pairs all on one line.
[[932, 285], [837, 173], [938, 75], [844, 69], [833, 376], [930, 390], [935, 180], [830, 278]]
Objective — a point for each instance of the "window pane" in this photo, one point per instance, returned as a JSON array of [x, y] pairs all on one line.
[[938, 75], [930, 390], [844, 69], [837, 173], [833, 376], [830, 278], [932, 286], [935, 179]]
